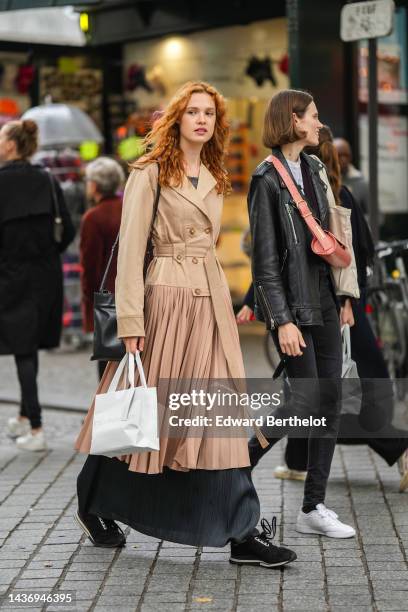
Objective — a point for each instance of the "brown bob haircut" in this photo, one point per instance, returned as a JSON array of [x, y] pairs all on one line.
[[279, 128]]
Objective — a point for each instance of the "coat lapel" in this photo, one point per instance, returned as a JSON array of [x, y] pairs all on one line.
[[197, 196]]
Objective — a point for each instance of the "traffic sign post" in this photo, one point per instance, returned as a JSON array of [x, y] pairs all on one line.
[[359, 21]]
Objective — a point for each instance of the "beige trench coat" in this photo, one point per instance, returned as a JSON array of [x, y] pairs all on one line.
[[185, 232]]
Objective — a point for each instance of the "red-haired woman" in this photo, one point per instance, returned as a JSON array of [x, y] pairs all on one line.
[[197, 489]]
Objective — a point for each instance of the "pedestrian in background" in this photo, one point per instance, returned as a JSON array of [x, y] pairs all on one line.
[[99, 228], [31, 285], [351, 177]]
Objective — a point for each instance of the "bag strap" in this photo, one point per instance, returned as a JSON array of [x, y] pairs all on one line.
[[115, 244], [140, 368], [346, 341], [55, 202], [300, 202], [129, 360]]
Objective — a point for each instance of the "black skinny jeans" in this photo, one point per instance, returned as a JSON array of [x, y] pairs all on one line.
[[318, 393], [27, 371]]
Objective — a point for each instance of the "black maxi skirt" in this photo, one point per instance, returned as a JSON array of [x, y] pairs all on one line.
[[197, 507]]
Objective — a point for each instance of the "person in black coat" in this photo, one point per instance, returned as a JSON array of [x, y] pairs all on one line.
[[31, 282]]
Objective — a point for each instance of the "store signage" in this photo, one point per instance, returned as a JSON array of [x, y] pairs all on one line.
[[361, 20]]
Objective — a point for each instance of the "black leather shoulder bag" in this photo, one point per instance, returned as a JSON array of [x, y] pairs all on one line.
[[106, 344]]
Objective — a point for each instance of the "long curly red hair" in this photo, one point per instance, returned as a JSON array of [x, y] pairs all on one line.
[[163, 141]]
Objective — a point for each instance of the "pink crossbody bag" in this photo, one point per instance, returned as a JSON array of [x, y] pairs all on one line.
[[324, 243]]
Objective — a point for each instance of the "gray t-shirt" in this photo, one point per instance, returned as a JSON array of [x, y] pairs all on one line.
[[193, 180], [296, 172]]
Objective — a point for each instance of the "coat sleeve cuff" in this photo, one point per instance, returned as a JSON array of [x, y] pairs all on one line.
[[130, 327]]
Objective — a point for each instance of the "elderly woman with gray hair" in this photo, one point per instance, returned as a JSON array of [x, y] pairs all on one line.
[[99, 228]]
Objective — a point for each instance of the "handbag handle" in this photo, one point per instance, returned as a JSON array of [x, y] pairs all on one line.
[[128, 359], [108, 265], [140, 368], [346, 341], [55, 202], [300, 202]]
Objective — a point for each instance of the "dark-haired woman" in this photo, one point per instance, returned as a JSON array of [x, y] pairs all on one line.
[[295, 296], [30, 270], [373, 425]]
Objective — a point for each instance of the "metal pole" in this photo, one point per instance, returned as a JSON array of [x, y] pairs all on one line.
[[373, 136]]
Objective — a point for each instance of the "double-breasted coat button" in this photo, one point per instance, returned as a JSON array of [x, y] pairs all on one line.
[[179, 257], [207, 230], [197, 291], [192, 231], [194, 260]]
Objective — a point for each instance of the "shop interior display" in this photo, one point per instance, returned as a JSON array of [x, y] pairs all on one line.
[[235, 216], [238, 157], [128, 137], [16, 78], [80, 87], [67, 166]]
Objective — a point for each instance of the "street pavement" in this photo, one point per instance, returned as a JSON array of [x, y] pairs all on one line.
[[43, 550]]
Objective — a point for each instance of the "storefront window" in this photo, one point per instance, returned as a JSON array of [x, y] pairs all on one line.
[[392, 54]]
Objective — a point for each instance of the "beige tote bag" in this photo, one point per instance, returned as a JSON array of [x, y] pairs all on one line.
[[345, 279]]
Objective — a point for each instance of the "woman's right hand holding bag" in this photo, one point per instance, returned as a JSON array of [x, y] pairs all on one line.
[[134, 343]]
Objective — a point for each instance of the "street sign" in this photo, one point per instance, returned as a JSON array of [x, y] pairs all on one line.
[[361, 20]]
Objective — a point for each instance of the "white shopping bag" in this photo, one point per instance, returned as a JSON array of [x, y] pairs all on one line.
[[125, 421], [351, 391]]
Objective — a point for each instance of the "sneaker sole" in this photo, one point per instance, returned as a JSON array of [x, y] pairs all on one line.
[[32, 450], [333, 534], [404, 483], [87, 533], [261, 563]]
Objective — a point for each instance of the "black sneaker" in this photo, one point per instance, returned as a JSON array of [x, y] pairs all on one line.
[[102, 532], [259, 550]]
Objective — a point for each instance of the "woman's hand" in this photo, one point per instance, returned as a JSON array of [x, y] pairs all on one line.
[[245, 315], [134, 344], [346, 314], [290, 340]]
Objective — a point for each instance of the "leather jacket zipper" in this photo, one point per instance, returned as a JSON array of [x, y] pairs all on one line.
[[266, 305], [291, 223], [284, 260]]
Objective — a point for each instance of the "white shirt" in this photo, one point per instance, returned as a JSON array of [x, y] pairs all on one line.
[[296, 171]]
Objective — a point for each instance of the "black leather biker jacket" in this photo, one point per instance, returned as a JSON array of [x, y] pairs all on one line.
[[284, 269]]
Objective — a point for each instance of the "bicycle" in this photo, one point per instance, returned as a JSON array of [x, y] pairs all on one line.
[[387, 310]]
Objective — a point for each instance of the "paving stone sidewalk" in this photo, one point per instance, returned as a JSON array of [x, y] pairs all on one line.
[[42, 548]]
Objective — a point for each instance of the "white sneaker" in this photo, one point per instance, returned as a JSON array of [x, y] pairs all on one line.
[[32, 442], [15, 427], [285, 473], [403, 470], [323, 522]]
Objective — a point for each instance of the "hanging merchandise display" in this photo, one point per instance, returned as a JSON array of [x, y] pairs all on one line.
[[25, 78], [136, 77], [261, 70]]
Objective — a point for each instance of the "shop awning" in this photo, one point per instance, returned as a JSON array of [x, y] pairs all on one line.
[[118, 21], [51, 26]]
